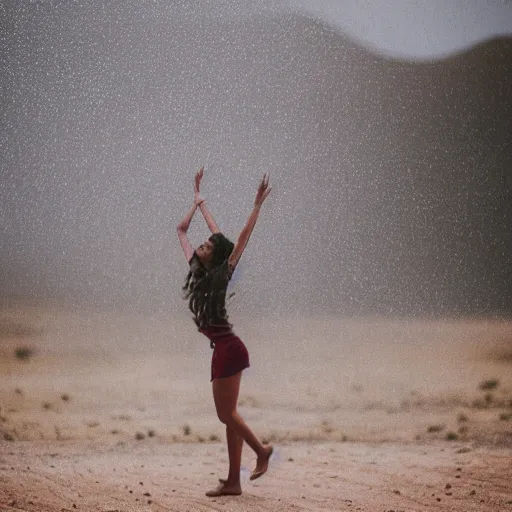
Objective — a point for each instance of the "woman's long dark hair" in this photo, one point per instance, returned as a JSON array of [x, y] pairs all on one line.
[[205, 288]]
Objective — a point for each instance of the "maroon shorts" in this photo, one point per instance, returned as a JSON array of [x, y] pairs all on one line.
[[230, 356]]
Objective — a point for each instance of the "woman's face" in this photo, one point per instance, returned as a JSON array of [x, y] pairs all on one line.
[[205, 252]]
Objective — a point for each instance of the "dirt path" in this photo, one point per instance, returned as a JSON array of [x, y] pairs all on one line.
[[151, 476]]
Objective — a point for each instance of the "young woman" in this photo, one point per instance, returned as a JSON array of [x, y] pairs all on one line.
[[211, 266]]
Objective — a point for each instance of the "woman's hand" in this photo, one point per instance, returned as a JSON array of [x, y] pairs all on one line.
[[198, 198], [263, 191]]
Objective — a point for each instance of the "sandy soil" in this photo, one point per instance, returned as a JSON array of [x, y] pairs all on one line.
[[113, 411]]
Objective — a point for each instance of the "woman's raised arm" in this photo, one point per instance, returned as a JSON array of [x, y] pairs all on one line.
[[245, 234], [182, 233], [202, 205]]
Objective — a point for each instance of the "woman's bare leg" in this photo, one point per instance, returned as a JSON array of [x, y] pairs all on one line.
[[235, 445], [225, 394]]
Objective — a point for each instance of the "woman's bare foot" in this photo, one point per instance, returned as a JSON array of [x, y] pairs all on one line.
[[262, 463], [225, 489]]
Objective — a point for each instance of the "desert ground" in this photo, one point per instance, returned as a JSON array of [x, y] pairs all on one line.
[[112, 411]]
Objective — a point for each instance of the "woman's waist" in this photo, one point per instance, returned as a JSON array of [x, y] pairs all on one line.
[[217, 331]]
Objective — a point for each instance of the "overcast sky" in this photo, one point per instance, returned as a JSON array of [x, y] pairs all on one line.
[[414, 29]]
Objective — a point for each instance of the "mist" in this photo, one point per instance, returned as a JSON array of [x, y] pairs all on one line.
[[391, 178]]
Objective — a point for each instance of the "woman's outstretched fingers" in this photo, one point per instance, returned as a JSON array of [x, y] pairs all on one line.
[[197, 184], [266, 181], [199, 175], [263, 190]]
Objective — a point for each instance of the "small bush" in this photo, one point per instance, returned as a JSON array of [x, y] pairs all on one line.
[[23, 353], [489, 384]]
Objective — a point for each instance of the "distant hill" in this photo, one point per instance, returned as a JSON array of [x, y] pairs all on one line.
[[392, 179]]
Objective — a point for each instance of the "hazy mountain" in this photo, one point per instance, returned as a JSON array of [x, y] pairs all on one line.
[[392, 189]]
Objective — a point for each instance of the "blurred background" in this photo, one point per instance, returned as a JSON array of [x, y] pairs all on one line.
[[386, 132]]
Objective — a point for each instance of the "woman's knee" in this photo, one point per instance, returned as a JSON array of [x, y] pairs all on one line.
[[226, 416]]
